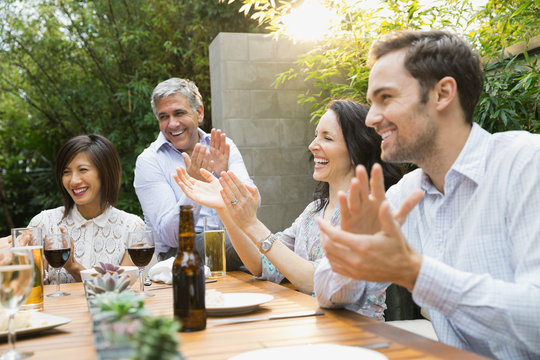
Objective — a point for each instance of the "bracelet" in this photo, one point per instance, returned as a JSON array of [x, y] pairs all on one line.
[[264, 238], [267, 242]]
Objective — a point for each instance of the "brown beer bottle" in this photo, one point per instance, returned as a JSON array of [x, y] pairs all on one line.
[[188, 276]]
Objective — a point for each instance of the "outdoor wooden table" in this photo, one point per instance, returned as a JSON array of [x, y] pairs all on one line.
[[74, 340]]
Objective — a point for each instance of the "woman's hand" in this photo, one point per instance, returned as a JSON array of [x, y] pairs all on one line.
[[241, 200], [72, 266], [5, 242], [204, 193]]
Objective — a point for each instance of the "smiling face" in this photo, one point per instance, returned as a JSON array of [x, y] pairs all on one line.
[[332, 163], [407, 126], [178, 122], [81, 180]]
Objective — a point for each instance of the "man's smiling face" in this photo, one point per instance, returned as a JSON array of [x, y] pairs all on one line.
[[178, 122], [407, 126]]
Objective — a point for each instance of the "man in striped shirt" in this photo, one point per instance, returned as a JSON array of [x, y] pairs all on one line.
[[461, 232]]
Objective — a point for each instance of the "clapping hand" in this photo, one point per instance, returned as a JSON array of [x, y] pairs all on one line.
[[360, 209], [5, 242], [219, 151], [370, 245], [206, 192], [216, 159], [241, 200], [199, 159]]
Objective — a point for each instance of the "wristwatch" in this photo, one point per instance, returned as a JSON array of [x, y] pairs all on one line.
[[267, 243]]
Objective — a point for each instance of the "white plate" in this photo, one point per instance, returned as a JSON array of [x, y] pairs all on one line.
[[311, 352], [40, 321], [238, 303]]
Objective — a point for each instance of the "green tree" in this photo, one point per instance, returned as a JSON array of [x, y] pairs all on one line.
[[336, 67], [73, 67]]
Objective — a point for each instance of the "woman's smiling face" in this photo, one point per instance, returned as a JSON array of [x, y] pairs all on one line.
[[332, 162], [81, 180]]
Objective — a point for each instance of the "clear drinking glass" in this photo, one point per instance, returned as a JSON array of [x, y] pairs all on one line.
[[57, 249], [16, 281], [141, 248], [32, 239], [214, 246]]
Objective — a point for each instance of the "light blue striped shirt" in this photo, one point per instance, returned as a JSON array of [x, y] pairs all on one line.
[[161, 197], [480, 275]]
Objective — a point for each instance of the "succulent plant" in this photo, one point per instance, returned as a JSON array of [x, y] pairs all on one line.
[[157, 338], [104, 268], [112, 306], [109, 282]]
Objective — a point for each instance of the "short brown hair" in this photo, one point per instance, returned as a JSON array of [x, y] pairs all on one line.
[[103, 156], [432, 55]]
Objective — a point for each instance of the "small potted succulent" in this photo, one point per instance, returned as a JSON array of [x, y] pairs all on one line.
[[123, 327], [109, 278]]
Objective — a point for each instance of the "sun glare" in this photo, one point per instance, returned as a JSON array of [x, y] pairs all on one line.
[[309, 21]]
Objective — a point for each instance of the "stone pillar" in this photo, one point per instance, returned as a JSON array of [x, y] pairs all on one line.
[[267, 124]]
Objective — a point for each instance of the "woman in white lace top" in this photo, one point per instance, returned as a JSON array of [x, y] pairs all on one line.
[[88, 172]]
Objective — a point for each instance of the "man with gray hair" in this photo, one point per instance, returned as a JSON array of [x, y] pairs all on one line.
[[178, 107]]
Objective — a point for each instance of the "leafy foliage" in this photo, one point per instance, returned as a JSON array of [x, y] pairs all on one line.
[[511, 96], [74, 67], [157, 339], [336, 67]]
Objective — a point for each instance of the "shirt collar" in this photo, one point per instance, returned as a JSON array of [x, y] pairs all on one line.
[[162, 141], [100, 220], [470, 161]]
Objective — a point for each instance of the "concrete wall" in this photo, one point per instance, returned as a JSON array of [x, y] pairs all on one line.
[[271, 130]]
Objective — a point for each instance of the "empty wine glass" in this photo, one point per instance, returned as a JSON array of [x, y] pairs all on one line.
[[16, 281], [57, 249], [141, 249]]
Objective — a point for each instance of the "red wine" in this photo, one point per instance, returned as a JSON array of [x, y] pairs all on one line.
[[57, 257], [141, 256]]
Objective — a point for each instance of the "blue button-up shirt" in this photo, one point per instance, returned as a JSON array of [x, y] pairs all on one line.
[[480, 241], [161, 197]]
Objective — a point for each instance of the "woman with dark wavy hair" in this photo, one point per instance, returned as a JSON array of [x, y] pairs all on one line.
[[342, 141]]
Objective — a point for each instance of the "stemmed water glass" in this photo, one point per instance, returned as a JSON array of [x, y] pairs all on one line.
[[57, 249], [16, 281], [141, 249]]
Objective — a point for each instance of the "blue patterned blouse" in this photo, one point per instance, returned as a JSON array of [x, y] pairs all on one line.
[[303, 237]]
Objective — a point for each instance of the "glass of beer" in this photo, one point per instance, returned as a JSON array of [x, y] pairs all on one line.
[[32, 239], [214, 245]]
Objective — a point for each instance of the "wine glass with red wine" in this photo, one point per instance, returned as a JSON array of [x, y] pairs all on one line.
[[141, 249], [57, 249]]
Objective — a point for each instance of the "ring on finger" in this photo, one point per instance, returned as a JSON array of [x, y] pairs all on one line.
[[234, 202]]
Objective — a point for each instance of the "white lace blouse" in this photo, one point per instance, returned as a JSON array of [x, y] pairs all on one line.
[[101, 239]]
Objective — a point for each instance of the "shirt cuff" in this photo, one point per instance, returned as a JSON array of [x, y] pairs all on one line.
[[437, 286]]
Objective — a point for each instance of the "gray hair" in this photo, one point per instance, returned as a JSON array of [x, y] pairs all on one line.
[[177, 86]]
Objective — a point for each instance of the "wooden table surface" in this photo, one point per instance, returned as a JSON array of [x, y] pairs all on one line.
[[75, 340]]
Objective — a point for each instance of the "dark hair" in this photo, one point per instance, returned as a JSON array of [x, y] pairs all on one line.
[[103, 156], [432, 55], [363, 145]]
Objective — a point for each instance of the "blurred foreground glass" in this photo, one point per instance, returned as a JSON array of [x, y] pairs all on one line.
[[32, 238], [16, 275], [214, 246], [141, 249], [57, 249]]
